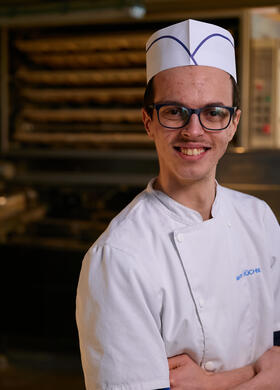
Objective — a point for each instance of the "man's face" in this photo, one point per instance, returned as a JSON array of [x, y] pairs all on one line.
[[192, 87]]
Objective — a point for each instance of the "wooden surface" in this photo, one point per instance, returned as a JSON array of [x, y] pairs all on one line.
[[83, 95], [83, 77], [84, 127], [109, 59], [83, 138], [84, 43], [110, 115]]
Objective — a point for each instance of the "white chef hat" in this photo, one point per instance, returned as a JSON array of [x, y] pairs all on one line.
[[190, 42]]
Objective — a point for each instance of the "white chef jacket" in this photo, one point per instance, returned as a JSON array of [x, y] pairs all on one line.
[[160, 282]]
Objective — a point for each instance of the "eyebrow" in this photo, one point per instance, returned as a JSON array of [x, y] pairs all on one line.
[[212, 104]]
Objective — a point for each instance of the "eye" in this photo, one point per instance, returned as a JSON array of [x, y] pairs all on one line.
[[172, 111], [215, 112]]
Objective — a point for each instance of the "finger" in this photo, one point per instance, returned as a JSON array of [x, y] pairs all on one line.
[[176, 377], [172, 382], [175, 361], [172, 379], [178, 361]]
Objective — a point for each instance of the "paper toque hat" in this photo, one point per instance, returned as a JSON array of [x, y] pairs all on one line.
[[190, 42]]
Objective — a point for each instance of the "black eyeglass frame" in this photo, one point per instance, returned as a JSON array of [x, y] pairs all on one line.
[[192, 111]]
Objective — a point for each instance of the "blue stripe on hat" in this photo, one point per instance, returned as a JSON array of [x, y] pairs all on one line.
[[209, 37], [175, 39], [185, 47]]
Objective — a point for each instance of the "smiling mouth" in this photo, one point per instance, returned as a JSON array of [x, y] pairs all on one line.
[[192, 151]]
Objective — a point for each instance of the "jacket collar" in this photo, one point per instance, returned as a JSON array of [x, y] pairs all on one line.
[[178, 211]]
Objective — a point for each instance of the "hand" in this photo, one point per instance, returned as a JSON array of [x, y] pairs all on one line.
[[267, 369], [185, 374], [269, 361]]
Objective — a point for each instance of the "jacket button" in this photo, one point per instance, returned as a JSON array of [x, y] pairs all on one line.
[[179, 237], [209, 366], [201, 302]]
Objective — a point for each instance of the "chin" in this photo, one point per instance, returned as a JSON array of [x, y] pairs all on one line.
[[195, 175]]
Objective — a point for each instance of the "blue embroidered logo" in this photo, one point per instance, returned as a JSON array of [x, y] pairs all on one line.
[[248, 272]]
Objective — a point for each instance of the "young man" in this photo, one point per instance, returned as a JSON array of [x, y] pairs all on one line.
[[182, 289]]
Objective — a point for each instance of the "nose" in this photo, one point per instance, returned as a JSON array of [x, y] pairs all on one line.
[[193, 128]]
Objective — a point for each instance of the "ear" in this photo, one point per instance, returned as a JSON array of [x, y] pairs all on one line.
[[235, 121], [147, 122]]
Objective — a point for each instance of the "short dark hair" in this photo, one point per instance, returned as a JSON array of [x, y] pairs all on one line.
[[149, 95]]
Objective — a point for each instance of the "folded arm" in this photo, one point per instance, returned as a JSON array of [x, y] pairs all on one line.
[[185, 374], [267, 369]]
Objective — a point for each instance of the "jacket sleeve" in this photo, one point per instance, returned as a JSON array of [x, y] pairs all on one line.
[[272, 231], [119, 325]]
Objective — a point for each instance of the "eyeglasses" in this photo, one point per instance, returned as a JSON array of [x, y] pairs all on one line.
[[175, 116]]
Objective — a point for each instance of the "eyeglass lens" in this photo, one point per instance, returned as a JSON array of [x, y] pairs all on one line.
[[213, 118]]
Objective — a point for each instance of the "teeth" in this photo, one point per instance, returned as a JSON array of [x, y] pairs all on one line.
[[192, 152]]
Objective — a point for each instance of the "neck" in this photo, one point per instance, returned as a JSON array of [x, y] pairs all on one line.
[[198, 195]]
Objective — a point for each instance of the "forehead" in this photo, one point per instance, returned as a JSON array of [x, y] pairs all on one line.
[[196, 85]]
